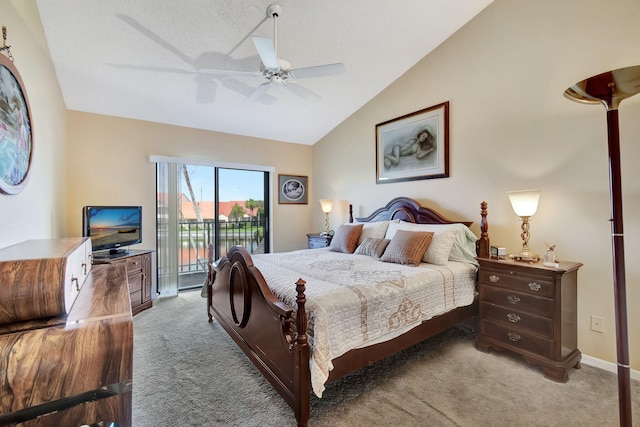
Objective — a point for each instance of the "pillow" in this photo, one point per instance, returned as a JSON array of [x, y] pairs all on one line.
[[451, 242], [407, 247], [440, 247], [464, 245], [372, 247], [346, 238], [375, 230]]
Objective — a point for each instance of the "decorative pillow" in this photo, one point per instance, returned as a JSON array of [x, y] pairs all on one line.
[[451, 242], [375, 230], [346, 238], [407, 247], [372, 247]]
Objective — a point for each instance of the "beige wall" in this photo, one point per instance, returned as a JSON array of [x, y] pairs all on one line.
[[108, 163], [511, 129], [39, 210]]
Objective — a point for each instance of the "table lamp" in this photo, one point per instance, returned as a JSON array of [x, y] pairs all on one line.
[[525, 204], [326, 205]]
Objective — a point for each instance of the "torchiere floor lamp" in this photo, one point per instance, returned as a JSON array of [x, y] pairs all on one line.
[[610, 89]]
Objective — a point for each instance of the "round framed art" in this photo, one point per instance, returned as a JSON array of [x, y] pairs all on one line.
[[16, 134]]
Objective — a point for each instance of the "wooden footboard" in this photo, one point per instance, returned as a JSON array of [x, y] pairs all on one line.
[[265, 328]]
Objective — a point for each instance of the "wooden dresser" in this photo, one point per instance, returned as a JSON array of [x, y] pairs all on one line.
[[73, 368], [530, 309], [138, 266]]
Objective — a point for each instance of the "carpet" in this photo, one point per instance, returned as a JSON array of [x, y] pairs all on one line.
[[188, 372]]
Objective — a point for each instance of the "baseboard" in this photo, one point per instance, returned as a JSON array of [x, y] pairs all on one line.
[[607, 366]]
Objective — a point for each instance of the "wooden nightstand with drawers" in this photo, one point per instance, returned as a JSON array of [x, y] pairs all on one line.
[[530, 309]]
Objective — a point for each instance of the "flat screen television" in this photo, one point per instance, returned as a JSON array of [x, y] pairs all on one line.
[[111, 228]]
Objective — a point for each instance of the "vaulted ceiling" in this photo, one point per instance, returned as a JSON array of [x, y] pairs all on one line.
[[152, 59]]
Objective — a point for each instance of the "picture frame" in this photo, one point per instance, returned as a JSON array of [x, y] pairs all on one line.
[[16, 130], [414, 146], [293, 189]]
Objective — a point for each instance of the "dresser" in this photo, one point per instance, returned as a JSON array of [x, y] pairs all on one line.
[[530, 309], [318, 240], [138, 266], [74, 367]]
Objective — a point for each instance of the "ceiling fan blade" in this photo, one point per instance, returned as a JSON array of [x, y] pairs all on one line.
[[267, 52], [232, 73], [156, 38], [260, 90], [303, 92], [318, 71], [246, 90], [151, 68]]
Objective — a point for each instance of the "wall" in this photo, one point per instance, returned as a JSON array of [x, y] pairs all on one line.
[[108, 163], [504, 75], [39, 210]]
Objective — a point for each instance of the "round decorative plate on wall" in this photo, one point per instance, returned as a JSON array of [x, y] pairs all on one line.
[[16, 134]]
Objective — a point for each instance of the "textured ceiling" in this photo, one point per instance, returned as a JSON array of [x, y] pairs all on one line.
[[147, 59]]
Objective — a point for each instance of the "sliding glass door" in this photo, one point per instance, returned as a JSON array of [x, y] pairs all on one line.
[[200, 204]]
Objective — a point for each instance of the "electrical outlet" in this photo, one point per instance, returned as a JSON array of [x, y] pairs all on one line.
[[597, 324]]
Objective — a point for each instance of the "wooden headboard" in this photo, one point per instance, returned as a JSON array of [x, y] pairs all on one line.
[[407, 209]]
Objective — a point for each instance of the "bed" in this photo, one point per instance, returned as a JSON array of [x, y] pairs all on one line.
[[308, 317]]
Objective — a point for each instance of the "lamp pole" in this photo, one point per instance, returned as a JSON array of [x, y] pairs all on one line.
[[610, 89]]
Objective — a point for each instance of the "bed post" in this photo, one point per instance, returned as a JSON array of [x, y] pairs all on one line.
[[302, 374], [482, 245], [350, 213]]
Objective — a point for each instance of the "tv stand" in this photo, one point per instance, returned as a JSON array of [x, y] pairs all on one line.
[[138, 267], [111, 254]]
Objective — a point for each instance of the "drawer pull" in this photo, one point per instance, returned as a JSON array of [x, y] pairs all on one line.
[[493, 278], [75, 279], [513, 299], [84, 268], [513, 318], [534, 286], [514, 337]]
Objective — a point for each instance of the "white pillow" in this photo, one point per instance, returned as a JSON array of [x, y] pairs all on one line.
[[451, 242], [375, 230]]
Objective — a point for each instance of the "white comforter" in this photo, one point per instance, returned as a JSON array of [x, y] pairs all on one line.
[[356, 300]]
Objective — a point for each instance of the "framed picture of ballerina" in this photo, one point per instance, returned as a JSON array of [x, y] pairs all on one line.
[[16, 135], [414, 146]]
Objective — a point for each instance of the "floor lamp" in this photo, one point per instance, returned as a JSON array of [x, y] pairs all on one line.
[[610, 89]]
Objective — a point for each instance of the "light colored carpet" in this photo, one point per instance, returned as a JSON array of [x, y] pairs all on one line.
[[188, 372]]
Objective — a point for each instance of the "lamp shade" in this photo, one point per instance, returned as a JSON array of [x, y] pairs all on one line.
[[326, 205], [524, 203]]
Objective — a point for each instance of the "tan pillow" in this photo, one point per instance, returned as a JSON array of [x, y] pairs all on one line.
[[372, 247], [441, 244], [407, 247], [346, 238]]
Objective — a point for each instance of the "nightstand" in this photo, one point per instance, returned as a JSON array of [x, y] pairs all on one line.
[[317, 240], [530, 309]]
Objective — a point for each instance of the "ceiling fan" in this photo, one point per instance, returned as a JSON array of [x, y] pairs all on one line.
[[277, 71]]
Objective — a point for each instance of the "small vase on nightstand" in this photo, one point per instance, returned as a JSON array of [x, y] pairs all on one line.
[[550, 258]]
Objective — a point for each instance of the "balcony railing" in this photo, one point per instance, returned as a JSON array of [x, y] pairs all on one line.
[[194, 238]]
